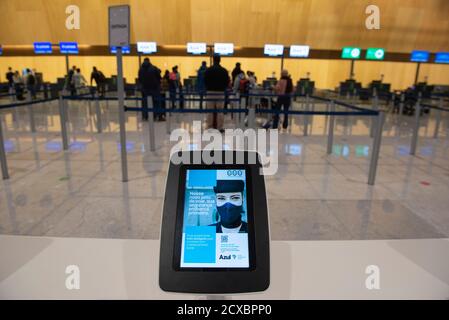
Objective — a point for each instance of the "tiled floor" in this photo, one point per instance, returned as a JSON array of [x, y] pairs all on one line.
[[313, 196]]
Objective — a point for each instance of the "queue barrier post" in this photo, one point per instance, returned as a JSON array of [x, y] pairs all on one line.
[[306, 118], [401, 104], [151, 122], [376, 148], [98, 113], [31, 113], [3, 160], [330, 135], [414, 142], [63, 122], [242, 115], [438, 119]]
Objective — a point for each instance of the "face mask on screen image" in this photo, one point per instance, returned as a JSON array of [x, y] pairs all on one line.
[[230, 215]]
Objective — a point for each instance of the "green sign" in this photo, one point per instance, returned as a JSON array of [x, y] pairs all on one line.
[[351, 53], [375, 54]]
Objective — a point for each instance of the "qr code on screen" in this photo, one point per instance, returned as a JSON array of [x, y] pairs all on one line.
[[224, 238]]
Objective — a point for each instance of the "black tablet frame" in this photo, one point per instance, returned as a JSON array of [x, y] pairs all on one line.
[[215, 280]]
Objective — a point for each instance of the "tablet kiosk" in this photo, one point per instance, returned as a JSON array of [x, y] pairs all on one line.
[[215, 233]]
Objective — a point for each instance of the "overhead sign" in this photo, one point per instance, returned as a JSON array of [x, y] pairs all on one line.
[[146, 47], [273, 50], [68, 47], [375, 54], [119, 26], [196, 48], [125, 50], [351, 53], [224, 49], [42, 48], [420, 56], [299, 51], [442, 57]]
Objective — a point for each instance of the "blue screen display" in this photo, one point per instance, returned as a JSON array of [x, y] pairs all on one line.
[[42, 48], [215, 219], [125, 50], [442, 57], [419, 56], [68, 47]]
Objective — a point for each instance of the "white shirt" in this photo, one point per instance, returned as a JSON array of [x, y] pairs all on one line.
[[231, 230]]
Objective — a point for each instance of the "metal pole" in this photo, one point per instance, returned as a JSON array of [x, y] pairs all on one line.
[[416, 128], [31, 114], [375, 107], [437, 125], [330, 135], [251, 117], [376, 149], [98, 112], [401, 104], [242, 115], [3, 155], [306, 118], [67, 64], [167, 113], [351, 72], [121, 114], [151, 122], [417, 72], [65, 140]]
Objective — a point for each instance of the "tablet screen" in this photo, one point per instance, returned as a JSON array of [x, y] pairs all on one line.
[[215, 219]]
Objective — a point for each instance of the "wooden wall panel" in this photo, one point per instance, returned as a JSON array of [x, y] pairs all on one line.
[[323, 24]]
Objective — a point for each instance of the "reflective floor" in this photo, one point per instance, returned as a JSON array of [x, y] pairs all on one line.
[[313, 196]]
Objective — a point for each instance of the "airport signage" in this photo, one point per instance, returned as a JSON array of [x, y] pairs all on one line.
[[442, 57], [419, 56], [146, 47], [42, 48], [273, 50], [299, 51], [351, 53], [196, 48], [119, 26], [68, 47], [375, 54], [224, 49], [125, 50]]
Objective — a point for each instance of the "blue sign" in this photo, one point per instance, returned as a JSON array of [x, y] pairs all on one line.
[[442, 57], [68, 47], [1, 49], [125, 50], [42, 47], [419, 56]]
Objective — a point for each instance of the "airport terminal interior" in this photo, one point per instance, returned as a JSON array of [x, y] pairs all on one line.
[[363, 155]]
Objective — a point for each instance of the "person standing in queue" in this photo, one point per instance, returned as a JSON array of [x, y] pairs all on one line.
[[216, 80], [31, 83], [100, 81], [150, 82], [200, 85], [237, 70], [283, 89], [9, 77]]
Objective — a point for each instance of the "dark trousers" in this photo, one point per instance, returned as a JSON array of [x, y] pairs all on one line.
[[156, 104], [285, 103]]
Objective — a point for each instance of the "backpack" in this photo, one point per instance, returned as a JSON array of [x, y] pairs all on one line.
[[244, 86]]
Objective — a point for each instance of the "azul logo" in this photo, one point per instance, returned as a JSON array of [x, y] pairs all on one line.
[[224, 257], [234, 173]]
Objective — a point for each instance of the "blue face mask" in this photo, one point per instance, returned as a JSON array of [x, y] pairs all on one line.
[[230, 215]]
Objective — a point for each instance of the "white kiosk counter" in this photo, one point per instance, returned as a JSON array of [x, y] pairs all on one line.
[[35, 268]]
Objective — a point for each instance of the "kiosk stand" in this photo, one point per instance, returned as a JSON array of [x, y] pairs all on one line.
[[215, 235]]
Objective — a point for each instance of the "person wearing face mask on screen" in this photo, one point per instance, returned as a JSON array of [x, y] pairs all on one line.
[[229, 201]]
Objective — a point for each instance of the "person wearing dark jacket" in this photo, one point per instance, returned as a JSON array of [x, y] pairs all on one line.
[[200, 85], [150, 83], [100, 80], [216, 80], [237, 70], [9, 77]]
